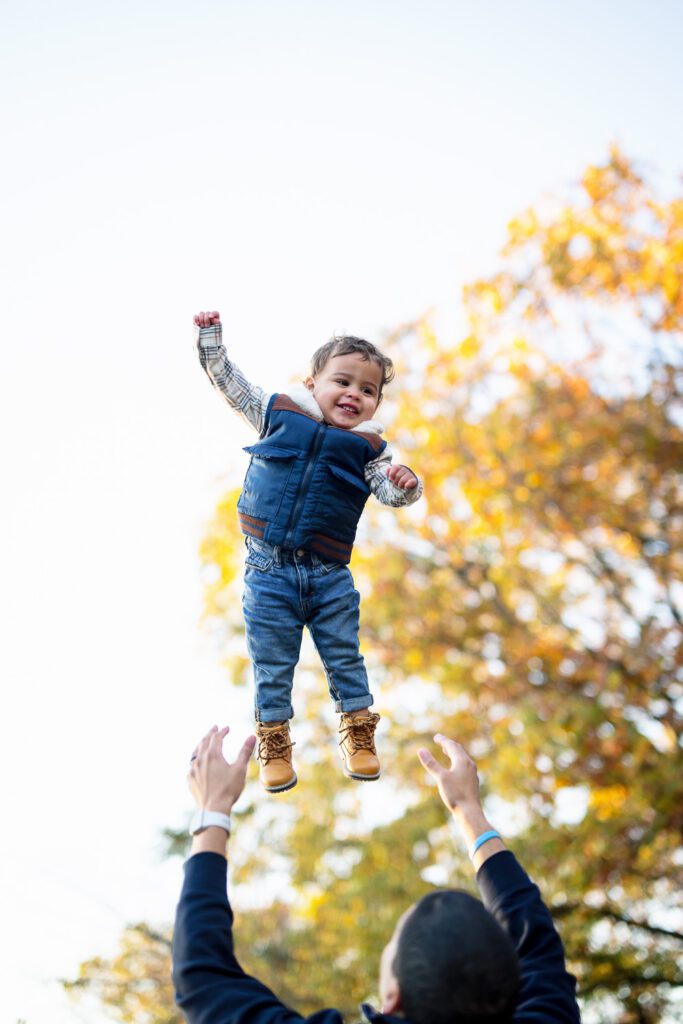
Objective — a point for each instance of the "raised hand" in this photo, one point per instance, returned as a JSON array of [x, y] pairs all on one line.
[[207, 319], [214, 782], [458, 785]]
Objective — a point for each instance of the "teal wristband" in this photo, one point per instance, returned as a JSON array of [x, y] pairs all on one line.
[[483, 838]]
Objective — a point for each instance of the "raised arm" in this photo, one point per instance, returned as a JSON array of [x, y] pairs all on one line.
[[249, 400], [548, 991], [211, 987]]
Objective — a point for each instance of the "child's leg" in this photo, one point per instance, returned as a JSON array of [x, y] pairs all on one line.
[[333, 621], [274, 624]]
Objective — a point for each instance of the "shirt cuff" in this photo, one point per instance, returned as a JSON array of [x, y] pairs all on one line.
[[209, 337]]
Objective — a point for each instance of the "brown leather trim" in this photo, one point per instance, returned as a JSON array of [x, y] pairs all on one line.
[[252, 519], [374, 440], [256, 527], [285, 402], [252, 531], [331, 556], [335, 547]]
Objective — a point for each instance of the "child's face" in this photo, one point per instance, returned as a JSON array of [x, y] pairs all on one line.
[[347, 389]]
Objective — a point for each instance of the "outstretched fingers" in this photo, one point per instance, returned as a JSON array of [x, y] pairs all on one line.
[[430, 763], [244, 756], [211, 745], [216, 738], [202, 747], [454, 751], [204, 741]]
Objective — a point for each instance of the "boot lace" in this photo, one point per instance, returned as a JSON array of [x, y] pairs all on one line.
[[361, 732], [273, 745]]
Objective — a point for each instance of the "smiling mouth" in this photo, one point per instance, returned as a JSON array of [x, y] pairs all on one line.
[[349, 409]]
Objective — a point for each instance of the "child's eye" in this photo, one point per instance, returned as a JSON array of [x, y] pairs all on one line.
[[341, 381], [369, 391]]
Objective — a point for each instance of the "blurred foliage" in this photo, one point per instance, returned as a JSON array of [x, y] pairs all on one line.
[[136, 983], [530, 605]]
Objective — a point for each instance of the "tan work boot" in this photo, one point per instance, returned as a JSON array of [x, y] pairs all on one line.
[[274, 752], [357, 746]]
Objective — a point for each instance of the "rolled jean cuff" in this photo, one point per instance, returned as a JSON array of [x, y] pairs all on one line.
[[354, 703], [266, 715]]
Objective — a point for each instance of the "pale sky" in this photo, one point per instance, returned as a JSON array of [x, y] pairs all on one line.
[[305, 168]]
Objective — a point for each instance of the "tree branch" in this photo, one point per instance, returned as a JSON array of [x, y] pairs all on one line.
[[598, 914]]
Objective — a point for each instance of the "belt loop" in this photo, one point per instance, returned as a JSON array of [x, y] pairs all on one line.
[[277, 555]]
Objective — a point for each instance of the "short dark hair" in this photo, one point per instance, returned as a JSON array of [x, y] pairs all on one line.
[[345, 345], [454, 963]]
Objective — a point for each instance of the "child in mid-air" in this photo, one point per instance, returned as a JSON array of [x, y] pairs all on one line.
[[319, 455]]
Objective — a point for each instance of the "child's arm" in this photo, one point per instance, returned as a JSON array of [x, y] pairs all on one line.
[[247, 399], [396, 486]]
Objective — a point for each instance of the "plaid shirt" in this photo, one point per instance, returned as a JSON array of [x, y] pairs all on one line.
[[251, 402]]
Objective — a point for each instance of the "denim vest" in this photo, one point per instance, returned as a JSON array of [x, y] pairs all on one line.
[[305, 486]]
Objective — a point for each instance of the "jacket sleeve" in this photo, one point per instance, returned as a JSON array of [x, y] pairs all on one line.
[[381, 486], [249, 400], [211, 987], [548, 991]]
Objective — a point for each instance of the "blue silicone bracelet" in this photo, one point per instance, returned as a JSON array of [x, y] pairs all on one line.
[[483, 838]]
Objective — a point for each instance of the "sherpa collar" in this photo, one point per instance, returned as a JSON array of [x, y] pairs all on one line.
[[300, 394]]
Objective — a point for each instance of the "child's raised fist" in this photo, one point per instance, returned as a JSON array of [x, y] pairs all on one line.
[[207, 319], [402, 477]]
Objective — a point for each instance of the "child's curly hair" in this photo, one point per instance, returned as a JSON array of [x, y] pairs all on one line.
[[345, 345]]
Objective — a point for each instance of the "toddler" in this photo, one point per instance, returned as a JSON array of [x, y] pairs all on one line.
[[319, 455]]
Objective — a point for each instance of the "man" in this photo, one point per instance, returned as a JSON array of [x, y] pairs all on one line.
[[451, 959]]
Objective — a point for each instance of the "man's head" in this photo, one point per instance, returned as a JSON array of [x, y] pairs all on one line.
[[449, 962], [347, 378]]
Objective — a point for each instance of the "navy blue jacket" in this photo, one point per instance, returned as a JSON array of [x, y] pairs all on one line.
[[212, 988], [305, 486]]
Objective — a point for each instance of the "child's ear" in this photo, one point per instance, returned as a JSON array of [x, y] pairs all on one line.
[[309, 383]]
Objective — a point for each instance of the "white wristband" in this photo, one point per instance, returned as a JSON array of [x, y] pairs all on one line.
[[205, 819]]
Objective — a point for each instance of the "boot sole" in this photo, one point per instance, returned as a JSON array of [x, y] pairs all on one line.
[[281, 789], [361, 778]]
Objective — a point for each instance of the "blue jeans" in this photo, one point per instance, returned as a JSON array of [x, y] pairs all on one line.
[[284, 591]]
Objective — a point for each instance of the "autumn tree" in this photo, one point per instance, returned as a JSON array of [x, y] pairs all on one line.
[[530, 605], [136, 982]]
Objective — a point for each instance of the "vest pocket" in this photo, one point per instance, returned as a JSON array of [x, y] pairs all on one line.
[[341, 503], [348, 479], [267, 477]]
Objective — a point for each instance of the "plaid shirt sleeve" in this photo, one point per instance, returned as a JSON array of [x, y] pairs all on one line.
[[384, 490], [247, 399]]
